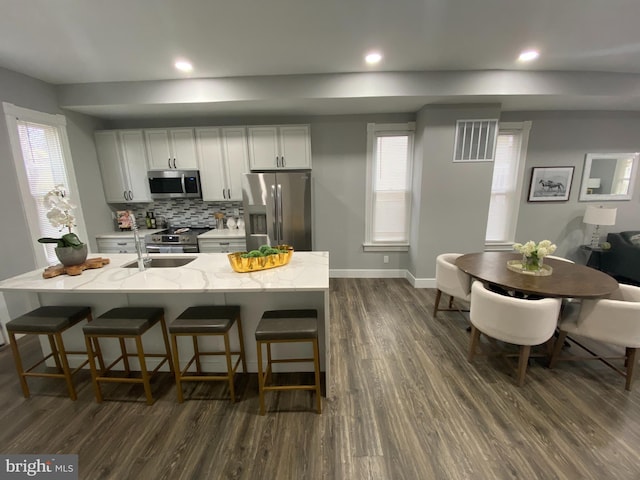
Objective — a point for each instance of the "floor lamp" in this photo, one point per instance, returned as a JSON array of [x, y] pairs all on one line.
[[597, 216]]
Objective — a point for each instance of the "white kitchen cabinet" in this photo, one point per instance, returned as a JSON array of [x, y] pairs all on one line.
[[171, 148], [221, 245], [123, 165], [223, 158], [116, 245], [279, 147]]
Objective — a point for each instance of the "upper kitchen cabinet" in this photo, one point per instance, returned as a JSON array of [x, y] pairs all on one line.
[[123, 164], [280, 147], [223, 159], [171, 148]]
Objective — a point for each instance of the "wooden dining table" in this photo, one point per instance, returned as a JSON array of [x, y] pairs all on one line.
[[566, 280]]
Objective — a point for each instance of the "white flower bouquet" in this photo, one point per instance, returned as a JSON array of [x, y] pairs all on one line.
[[531, 249], [60, 215]]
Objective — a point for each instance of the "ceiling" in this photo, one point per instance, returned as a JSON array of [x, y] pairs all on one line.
[[69, 42]]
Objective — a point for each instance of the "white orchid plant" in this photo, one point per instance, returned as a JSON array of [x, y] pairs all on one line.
[[531, 249], [60, 215]]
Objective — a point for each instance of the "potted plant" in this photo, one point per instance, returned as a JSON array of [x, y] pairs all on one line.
[[70, 250]]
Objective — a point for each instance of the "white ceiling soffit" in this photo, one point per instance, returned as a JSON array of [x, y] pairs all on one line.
[[357, 93], [72, 42]]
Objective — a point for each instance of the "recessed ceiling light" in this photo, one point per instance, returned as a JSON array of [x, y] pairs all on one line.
[[373, 58], [528, 55], [183, 65]]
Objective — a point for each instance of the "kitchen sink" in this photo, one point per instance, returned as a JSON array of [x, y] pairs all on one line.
[[161, 262]]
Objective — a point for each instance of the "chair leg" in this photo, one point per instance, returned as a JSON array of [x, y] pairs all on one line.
[[523, 361], [437, 302], [316, 366], [19, 367], [125, 357], [176, 366], [92, 365], [144, 372], [475, 337], [165, 338], [556, 349], [65, 366], [196, 353], [450, 302], [227, 349], [54, 351], [631, 363], [241, 340], [260, 378]]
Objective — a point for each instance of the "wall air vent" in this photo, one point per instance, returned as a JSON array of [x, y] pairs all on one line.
[[475, 140]]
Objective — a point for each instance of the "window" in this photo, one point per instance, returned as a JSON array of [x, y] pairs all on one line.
[[388, 209], [506, 187], [41, 155]]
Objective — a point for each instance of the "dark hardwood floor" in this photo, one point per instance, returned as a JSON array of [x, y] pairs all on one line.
[[405, 404]]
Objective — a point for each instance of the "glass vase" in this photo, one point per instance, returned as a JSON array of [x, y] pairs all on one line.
[[532, 263]]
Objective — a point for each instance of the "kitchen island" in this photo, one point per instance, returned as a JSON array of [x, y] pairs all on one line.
[[207, 280]]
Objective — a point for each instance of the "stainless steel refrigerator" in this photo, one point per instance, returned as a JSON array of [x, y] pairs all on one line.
[[277, 209]]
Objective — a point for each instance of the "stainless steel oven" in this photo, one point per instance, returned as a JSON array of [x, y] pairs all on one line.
[[174, 240]]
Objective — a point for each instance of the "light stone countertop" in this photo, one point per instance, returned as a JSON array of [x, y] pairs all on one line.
[[226, 233], [209, 272]]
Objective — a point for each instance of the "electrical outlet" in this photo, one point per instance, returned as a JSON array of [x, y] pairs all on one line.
[[385, 259]]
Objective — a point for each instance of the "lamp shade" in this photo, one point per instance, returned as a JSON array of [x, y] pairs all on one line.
[[600, 216]]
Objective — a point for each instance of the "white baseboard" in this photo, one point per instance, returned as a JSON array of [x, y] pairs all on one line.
[[371, 273]]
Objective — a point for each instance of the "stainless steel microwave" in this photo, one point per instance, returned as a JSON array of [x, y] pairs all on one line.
[[174, 184]]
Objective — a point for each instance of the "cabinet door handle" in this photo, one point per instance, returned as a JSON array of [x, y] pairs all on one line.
[[277, 161], [124, 194], [169, 162], [229, 193], [174, 163], [121, 243], [224, 195], [130, 195], [282, 161]]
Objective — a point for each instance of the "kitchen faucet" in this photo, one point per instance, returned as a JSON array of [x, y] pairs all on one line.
[[136, 236]]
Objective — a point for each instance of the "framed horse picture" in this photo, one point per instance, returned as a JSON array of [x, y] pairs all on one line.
[[550, 184]]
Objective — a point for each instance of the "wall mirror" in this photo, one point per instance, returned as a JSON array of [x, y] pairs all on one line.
[[608, 176]]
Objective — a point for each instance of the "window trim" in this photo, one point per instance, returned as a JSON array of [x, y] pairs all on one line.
[[372, 130], [29, 209], [524, 128]]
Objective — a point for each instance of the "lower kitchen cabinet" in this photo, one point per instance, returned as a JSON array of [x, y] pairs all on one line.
[[116, 245], [218, 245]]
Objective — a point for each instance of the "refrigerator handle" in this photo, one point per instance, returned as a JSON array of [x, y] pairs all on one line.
[[280, 214], [274, 202]]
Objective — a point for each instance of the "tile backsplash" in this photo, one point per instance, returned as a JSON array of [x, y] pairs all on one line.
[[181, 212]]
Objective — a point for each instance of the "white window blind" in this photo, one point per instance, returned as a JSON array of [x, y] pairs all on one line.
[[44, 166], [389, 187], [506, 186], [391, 191], [42, 160]]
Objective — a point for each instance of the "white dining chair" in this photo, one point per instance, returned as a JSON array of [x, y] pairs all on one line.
[[614, 320], [562, 259], [451, 281], [518, 321]]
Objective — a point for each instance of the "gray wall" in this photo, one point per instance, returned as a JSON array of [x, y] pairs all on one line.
[[451, 215], [564, 139], [15, 244]]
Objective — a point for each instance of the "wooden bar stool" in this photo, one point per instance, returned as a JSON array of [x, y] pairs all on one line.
[[51, 321], [285, 326], [123, 323], [206, 321]]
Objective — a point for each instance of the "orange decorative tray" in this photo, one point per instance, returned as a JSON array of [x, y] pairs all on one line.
[[255, 264]]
